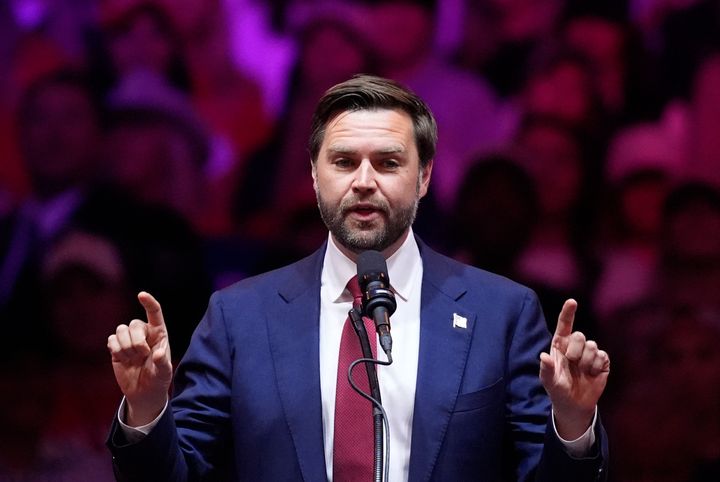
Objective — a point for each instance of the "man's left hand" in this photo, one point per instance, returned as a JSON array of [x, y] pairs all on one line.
[[574, 374]]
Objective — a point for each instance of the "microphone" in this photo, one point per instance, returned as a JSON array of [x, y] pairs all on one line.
[[378, 300]]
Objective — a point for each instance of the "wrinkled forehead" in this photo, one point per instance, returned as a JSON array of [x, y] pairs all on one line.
[[390, 130]]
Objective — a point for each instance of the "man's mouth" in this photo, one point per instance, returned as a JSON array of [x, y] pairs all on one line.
[[364, 212]]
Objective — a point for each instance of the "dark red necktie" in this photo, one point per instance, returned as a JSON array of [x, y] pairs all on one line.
[[353, 435]]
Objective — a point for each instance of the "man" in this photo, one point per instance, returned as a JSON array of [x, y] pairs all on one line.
[[59, 129], [60, 125], [255, 394]]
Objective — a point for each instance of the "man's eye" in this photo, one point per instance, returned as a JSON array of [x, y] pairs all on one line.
[[390, 164], [342, 162]]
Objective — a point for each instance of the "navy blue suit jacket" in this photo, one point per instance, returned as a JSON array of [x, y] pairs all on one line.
[[247, 394]]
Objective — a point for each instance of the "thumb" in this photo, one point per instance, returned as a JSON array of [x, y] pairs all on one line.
[[162, 360], [547, 370]]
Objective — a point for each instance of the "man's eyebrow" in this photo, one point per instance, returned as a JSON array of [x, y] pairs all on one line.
[[338, 149], [390, 150]]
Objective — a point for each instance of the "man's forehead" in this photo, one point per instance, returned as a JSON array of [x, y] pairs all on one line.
[[376, 112], [387, 123]]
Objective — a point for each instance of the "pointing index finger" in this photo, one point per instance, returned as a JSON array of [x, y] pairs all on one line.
[[566, 318], [152, 309]]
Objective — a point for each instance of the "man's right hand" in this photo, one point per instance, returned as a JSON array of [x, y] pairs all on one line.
[[142, 364]]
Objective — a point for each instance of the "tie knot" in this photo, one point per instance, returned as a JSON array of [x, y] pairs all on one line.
[[354, 287]]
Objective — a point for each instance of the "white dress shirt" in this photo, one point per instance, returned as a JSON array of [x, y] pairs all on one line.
[[397, 381]]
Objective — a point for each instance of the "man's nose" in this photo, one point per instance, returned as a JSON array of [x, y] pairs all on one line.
[[365, 179]]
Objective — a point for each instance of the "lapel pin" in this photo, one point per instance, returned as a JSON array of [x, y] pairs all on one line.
[[459, 321]]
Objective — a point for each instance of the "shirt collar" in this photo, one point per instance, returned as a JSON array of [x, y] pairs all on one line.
[[404, 266]]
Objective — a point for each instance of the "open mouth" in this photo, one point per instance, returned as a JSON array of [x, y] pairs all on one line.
[[364, 212]]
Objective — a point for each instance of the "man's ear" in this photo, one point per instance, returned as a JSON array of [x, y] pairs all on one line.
[[313, 170], [424, 181]]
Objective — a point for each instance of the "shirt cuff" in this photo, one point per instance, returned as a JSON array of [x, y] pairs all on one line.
[[580, 447], [136, 434]]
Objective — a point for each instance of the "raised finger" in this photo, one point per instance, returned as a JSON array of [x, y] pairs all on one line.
[[566, 318], [576, 346], [152, 309]]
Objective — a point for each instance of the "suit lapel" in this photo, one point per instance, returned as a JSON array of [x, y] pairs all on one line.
[[443, 354], [293, 328]]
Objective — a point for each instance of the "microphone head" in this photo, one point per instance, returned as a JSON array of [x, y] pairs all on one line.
[[371, 266]]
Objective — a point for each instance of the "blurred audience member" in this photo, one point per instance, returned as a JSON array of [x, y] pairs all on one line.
[[681, 390], [631, 247], [644, 161], [157, 146], [685, 136], [495, 215], [185, 45], [60, 132], [59, 128], [24, 414], [685, 279], [689, 30], [665, 455], [560, 85], [559, 258], [688, 362], [704, 123], [161, 253], [621, 68], [272, 187], [690, 263], [84, 290], [228, 100], [516, 29], [142, 37], [559, 253], [470, 118]]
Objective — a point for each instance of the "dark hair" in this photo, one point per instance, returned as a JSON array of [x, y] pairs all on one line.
[[367, 92], [177, 70], [689, 195]]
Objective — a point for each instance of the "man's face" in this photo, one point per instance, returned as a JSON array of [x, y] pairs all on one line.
[[368, 179], [59, 136]]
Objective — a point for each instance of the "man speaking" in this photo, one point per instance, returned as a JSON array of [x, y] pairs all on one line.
[[262, 393]]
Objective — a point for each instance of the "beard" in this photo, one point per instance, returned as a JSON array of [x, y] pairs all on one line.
[[377, 234]]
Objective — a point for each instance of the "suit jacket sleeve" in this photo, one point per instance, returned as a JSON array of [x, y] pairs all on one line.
[[192, 440], [525, 390]]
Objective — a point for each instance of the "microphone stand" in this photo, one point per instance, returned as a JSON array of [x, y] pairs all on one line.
[[359, 327]]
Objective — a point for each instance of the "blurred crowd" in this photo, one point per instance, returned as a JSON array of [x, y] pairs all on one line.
[[161, 145]]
